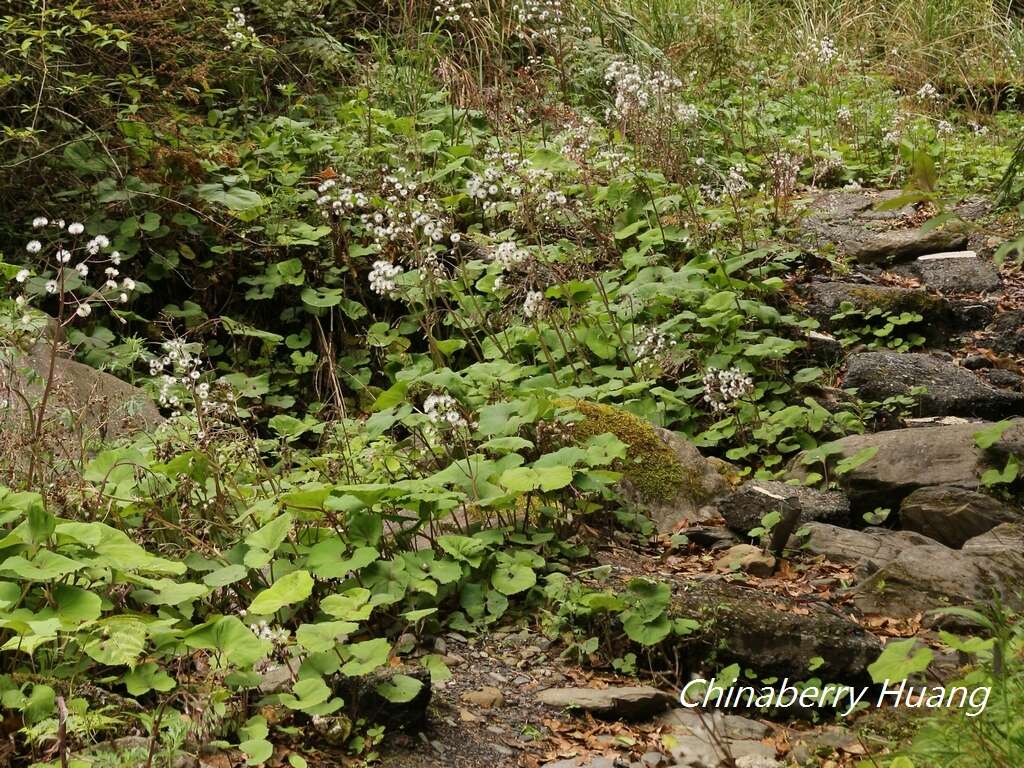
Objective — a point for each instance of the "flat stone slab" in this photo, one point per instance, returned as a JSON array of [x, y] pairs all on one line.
[[636, 702], [954, 272], [950, 389], [869, 549], [849, 222]]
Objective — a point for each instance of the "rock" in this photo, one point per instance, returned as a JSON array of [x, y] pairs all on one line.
[[824, 299], [823, 348], [99, 406], [744, 508], [747, 558], [999, 377], [487, 697], [364, 700], [848, 222], [710, 536], [699, 722], [1006, 333], [626, 703], [893, 245], [706, 752], [921, 579], [950, 389], [954, 272], [976, 362], [806, 744], [664, 475], [777, 637], [1004, 536], [908, 459], [870, 548], [952, 515]]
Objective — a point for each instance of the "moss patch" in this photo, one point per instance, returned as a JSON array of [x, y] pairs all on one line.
[[922, 303], [652, 468]]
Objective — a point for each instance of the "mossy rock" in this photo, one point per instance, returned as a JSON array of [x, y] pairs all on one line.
[[664, 475]]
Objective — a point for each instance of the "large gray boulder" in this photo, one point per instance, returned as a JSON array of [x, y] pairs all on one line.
[[824, 298], [903, 460], [949, 389], [952, 515], [923, 578], [85, 408], [95, 401], [744, 507]]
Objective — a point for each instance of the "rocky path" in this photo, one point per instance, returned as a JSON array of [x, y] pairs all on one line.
[[844, 587]]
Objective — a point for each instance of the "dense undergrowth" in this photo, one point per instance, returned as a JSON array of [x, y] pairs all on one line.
[[371, 260]]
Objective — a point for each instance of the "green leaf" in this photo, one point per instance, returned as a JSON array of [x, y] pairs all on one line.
[[851, 463], [324, 635], [510, 579], [117, 641], [148, 677], [366, 656], [899, 660], [400, 689], [990, 435], [288, 590]]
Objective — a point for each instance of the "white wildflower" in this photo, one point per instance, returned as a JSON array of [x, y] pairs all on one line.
[[382, 277], [532, 305]]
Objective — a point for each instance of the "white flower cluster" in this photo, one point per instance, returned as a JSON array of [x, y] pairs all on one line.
[[894, 134], [724, 387], [67, 279], [452, 11], [278, 636], [928, 92], [533, 305], [637, 92], [944, 129], [844, 117], [735, 183], [819, 50], [509, 255], [443, 411], [686, 114], [382, 277], [542, 18], [783, 169], [653, 344], [482, 186], [337, 198], [238, 30], [408, 216], [180, 372]]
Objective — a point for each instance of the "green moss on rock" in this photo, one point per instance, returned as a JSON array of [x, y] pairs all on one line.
[[652, 467]]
